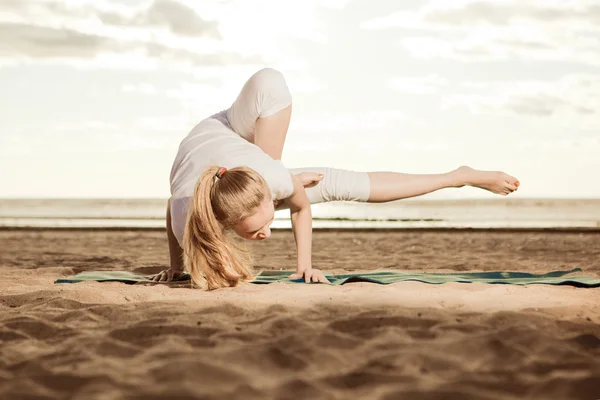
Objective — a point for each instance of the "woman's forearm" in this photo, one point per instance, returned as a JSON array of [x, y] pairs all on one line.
[[301, 224], [302, 229], [175, 251]]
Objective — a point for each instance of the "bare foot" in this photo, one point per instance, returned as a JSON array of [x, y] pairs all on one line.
[[495, 181]]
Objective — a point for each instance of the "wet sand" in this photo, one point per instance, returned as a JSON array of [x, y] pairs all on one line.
[[403, 341]]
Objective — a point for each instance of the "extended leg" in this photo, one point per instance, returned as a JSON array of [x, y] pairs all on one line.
[[389, 186], [376, 187]]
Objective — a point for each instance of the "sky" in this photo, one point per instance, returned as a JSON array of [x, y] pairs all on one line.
[[96, 95]]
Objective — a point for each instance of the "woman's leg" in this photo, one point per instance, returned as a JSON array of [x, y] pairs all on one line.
[[389, 186], [262, 111], [377, 187]]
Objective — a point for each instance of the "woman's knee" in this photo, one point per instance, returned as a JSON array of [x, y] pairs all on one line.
[[272, 91], [267, 77]]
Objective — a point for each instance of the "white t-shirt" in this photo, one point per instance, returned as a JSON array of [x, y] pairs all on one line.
[[213, 142]]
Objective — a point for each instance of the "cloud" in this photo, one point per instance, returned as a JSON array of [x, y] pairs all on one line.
[[537, 104], [508, 12], [173, 15], [143, 88], [102, 33], [154, 33], [442, 16], [153, 132], [318, 124], [575, 95], [332, 135], [420, 85], [167, 53], [179, 18], [499, 30], [44, 42]]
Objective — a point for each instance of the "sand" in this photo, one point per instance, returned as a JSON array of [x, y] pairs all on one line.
[[403, 341]]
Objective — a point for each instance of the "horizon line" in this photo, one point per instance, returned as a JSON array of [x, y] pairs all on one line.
[[406, 199]]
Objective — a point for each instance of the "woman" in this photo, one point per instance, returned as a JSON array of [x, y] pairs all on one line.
[[227, 177]]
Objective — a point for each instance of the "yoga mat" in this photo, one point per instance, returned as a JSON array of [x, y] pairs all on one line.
[[380, 277]]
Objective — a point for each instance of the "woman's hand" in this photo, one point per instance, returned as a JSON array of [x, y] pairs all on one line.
[[166, 276], [309, 179], [310, 275]]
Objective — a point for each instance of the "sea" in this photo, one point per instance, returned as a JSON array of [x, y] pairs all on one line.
[[409, 213]]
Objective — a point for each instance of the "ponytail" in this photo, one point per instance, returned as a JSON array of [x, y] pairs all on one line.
[[211, 258]]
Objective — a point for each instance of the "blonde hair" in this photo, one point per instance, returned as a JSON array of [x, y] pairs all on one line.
[[211, 257]]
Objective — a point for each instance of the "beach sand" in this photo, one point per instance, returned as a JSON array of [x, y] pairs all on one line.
[[290, 341]]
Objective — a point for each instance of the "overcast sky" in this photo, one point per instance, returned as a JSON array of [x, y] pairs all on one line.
[[96, 95]]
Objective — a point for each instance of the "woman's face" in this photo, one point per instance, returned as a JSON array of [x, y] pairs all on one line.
[[256, 225]]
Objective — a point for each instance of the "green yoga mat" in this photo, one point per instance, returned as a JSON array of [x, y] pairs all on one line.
[[381, 277]]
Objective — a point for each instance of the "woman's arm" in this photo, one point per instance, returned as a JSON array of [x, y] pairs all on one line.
[[301, 224], [175, 254], [175, 251], [302, 228]]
